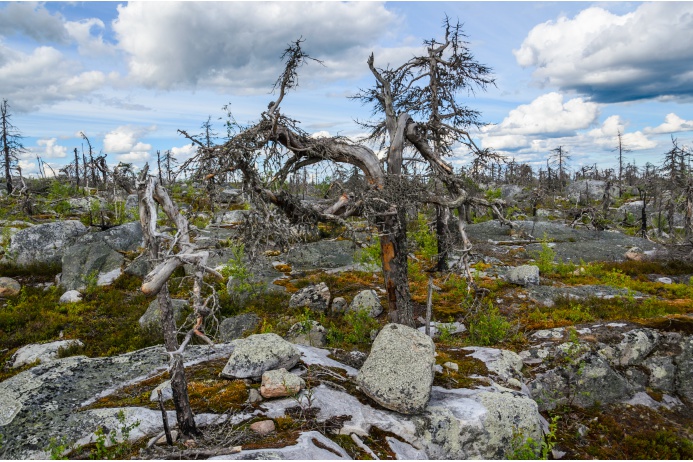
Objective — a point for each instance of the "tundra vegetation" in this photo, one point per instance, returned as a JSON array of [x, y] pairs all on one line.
[[409, 216]]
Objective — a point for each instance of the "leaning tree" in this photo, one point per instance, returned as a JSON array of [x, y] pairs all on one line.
[[418, 118]]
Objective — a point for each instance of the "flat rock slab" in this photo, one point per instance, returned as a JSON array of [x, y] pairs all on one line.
[[310, 446], [43, 352], [572, 244], [41, 402], [321, 254]]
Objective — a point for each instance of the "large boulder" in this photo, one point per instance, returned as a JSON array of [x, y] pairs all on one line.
[[9, 287], [98, 255], [257, 354], [44, 352], [152, 317], [43, 244], [315, 297], [367, 300], [235, 326], [398, 374]]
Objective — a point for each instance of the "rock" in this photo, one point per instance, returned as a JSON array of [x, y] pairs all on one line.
[[9, 287], [437, 327], [310, 333], [684, 369], [44, 352], [131, 202], [254, 396], [263, 427], [339, 305], [152, 317], [174, 437], [279, 383], [235, 326], [525, 275], [43, 244], [166, 392], [257, 354], [315, 297], [398, 373], [367, 300], [71, 296], [662, 372], [588, 190], [634, 254], [451, 366], [635, 346], [138, 267], [231, 217], [230, 195], [664, 280], [311, 445], [320, 255], [506, 364]]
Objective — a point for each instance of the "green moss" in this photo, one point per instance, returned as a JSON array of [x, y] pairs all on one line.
[[467, 367]]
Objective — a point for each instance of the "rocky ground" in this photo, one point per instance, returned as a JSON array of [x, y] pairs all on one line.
[[582, 336]]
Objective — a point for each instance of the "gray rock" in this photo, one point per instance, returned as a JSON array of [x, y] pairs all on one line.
[[591, 190], [398, 373], [99, 255], [9, 287], [44, 244], [235, 326], [367, 300], [311, 445], [230, 195], [152, 317], [635, 346], [506, 364], [44, 352], [311, 333], [138, 267], [131, 202], [339, 305], [315, 297], [525, 275], [279, 383], [166, 392], [684, 369], [259, 353], [321, 254], [662, 372], [71, 296], [232, 216]]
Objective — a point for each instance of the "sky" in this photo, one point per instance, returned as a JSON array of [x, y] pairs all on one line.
[[129, 75]]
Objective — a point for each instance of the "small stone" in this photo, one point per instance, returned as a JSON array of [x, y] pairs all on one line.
[[452, 366], [9, 287], [71, 296], [367, 300], [166, 392], [664, 280], [339, 305], [162, 440], [254, 396], [279, 383], [263, 427]]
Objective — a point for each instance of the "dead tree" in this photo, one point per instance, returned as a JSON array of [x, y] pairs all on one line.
[[152, 194], [11, 144], [277, 143]]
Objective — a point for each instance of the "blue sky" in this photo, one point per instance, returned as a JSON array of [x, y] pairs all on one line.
[[129, 75]]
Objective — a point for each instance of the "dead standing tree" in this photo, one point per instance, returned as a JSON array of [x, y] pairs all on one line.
[[277, 142], [152, 194]]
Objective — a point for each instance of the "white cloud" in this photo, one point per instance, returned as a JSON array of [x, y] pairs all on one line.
[[50, 149], [642, 54], [43, 77], [183, 153], [125, 140], [546, 116], [88, 44], [672, 124], [33, 20], [607, 136], [220, 44], [134, 156]]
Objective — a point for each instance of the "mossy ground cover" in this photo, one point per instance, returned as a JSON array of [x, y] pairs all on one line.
[[617, 432], [106, 321]]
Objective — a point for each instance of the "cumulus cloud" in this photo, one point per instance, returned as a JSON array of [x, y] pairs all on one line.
[[607, 135], [135, 156], [672, 124], [183, 153], [33, 20], [547, 116], [50, 149], [219, 44], [125, 139], [613, 58], [88, 44], [43, 77]]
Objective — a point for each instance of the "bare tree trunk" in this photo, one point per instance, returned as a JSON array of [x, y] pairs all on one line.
[[393, 253], [443, 237], [6, 148]]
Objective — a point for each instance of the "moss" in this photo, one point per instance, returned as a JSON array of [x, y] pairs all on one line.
[[36, 272], [467, 366]]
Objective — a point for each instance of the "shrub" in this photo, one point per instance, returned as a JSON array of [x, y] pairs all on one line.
[[488, 327]]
